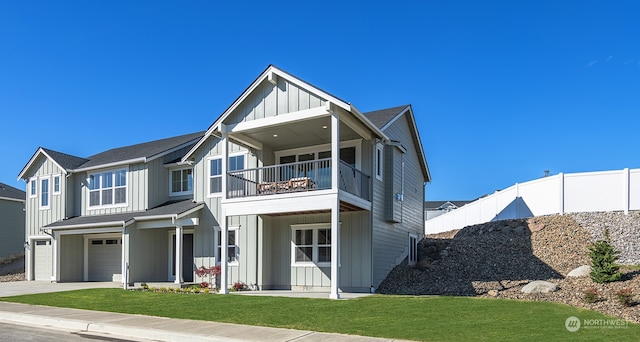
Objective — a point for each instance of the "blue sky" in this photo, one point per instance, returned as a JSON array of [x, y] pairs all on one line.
[[502, 90]]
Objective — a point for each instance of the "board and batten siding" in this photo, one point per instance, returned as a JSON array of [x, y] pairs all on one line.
[[270, 99], [12, 228], [391, 240], [36, 217], [137, 191], [355, 254]]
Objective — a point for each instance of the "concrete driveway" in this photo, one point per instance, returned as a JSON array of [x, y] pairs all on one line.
[[15, 288]]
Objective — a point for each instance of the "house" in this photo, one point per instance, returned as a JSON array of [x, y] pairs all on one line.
[[12, 219], [289, 188], [436, 208]]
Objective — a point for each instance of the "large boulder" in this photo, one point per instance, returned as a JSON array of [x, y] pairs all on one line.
[[539, 286], [582, 271]]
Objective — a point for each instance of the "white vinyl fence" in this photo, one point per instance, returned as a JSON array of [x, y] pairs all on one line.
[[617, 190]]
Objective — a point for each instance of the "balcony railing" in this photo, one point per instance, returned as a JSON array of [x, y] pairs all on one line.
[[295, 177]]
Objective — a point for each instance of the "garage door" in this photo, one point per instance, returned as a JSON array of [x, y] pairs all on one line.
[[42, 260], [105, 259]]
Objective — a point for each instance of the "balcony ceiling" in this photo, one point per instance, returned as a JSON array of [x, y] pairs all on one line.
[[299, 134]]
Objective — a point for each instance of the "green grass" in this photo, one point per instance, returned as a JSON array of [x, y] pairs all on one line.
[[400, 317]]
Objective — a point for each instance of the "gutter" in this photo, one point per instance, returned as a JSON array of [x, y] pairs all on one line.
[[118, 163], [86, 225]]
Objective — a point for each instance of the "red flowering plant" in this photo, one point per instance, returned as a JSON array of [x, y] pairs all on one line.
[[212, 272]]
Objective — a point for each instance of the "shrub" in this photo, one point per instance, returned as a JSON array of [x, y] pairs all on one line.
[[145, 286], [238, 286], [591, 295], [603, 261], [196, 290], [624, 296], [152, 289], [204, 284], [162, 289], [205, 290]]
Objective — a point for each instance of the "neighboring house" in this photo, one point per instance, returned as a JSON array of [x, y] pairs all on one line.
[[12, 218], [436, 208], [290, 188]]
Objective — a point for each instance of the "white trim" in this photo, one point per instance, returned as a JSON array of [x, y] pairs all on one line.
[[33, 187], [208, 171], [41, 188], [379, 161], [180, 193], [103, 236], [279, 120], [217, 245], [112, 166], [314, 227], [114, 187], [170, 274], [53, 184], [33, 159]]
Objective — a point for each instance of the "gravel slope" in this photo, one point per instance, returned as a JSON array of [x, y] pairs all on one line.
[[497, 259]]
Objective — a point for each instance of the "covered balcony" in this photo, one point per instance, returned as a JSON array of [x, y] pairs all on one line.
[[297, 177]]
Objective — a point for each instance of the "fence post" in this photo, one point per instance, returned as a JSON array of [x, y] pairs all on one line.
[[626, 190], [561, 175]]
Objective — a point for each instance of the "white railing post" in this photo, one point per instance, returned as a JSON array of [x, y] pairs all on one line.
[[561, 209], [626, 191]]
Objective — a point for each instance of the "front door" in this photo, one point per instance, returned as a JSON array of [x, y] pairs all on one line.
[[187, 257]]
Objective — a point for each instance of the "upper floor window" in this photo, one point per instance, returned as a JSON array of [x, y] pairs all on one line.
[[108, 188], [33, 188], [379, 161], [44, 193], [236, 162], [181, 181], [56, 185]]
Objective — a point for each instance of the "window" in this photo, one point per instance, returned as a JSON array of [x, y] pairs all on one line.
[[215, 176], [33, 188], [56, 185], [108, 188], [379, 161], [215, 171], [44, 193], [181, 182], [413, 249], [311, 244], [232, 247]]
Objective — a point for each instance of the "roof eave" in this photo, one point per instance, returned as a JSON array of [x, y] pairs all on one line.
[[113, 164], [33, 158]]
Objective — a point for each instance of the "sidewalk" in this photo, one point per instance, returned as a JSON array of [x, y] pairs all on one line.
[[157, 328]]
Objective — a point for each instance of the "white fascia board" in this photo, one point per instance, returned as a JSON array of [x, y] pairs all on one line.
[[189, 212], [86, 225], [112, 165], [90, 231], [395, 118], [268, 74], [279, 120], [33, 159], [273, 204], [368, 123]]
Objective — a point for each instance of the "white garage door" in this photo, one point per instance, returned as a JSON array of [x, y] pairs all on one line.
[[42, 260], [105, 259]]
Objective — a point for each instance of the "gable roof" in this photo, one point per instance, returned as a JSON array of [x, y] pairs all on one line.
[[139, 152], [383, 118], [440, 204], [9, 192], [268, 74], [134, 153]]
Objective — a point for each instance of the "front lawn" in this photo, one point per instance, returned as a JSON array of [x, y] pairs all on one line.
[[399, 317]]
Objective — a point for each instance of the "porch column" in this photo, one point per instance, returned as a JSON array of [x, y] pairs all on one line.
[[224, 232], [178, 260], [335, 207], [55, 270], [125, 261]]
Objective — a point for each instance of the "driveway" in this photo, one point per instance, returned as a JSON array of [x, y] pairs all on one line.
[[15, 288]]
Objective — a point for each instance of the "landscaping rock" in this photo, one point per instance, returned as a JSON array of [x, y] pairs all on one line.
[[539, 286], [582, 271]]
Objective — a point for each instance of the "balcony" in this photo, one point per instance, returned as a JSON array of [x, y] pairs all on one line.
[[296, 177]]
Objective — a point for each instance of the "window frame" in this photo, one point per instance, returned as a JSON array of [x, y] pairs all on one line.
[[41, 196], [33, 187], [315, 245], [113, 187], [379, 161], [236, 248], [219, 157], [56, 178], [182, 191]]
